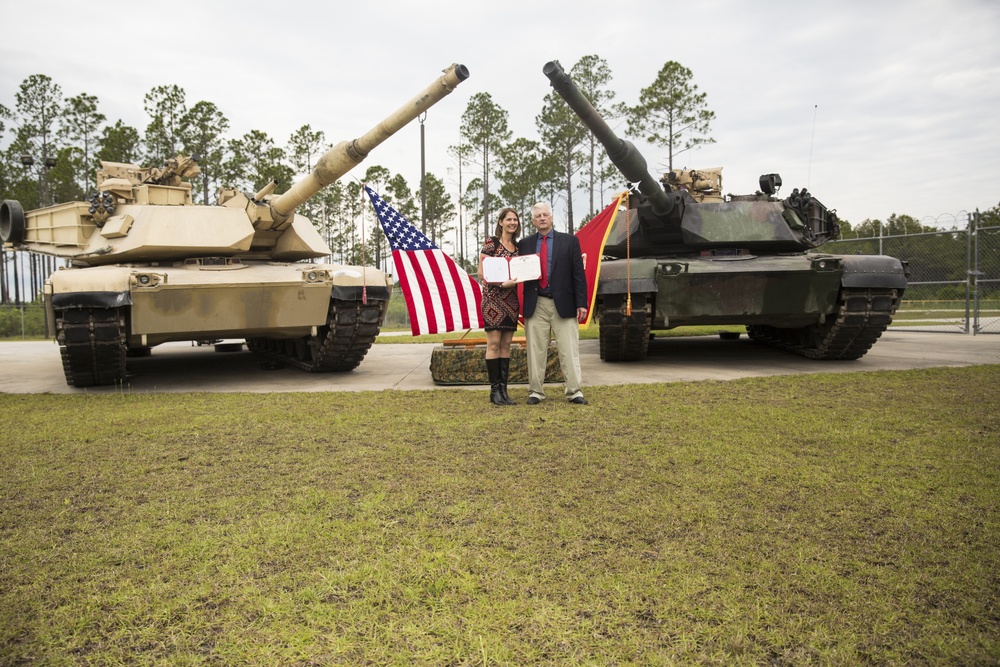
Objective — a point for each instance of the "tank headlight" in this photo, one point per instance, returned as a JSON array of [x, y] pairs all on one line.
[[149, 279], [672, 269], [315, 275], [826, 264]]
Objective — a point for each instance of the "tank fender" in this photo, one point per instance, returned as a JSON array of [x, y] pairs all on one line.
[[96, 287], [617, 276], [873, 271], [621, 286], [354, 292], [354, 283], [91, 300]]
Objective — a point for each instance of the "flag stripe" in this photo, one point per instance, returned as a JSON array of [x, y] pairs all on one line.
[[408, 282], [453, 310], [466, 299], [429, 282]]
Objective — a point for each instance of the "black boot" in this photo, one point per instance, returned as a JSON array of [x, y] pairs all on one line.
[[493, 370], [504, 374]]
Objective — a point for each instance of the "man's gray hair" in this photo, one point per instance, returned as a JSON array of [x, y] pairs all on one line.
[[540, 206]]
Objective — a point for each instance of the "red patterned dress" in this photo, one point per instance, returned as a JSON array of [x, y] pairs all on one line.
[[500, 304]]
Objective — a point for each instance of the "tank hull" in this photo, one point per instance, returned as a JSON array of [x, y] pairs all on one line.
[[319, 317], [804, 302]]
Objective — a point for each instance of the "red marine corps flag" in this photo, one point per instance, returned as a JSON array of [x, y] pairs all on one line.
[[440, 297], [592, 237]]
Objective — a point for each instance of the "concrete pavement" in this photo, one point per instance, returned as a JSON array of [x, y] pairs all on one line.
[[35, 367]]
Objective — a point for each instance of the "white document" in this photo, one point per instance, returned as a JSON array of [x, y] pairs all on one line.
[[519, 269]]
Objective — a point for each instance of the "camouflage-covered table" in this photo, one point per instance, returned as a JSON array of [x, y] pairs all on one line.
[[465, 363]]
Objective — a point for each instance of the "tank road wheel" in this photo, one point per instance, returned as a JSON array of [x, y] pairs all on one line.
[[340, 345], [624, 337], [260, 346], [352, 328], [92, 345], [860, 318]]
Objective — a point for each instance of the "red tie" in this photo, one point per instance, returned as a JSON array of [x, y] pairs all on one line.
[[543, 282]]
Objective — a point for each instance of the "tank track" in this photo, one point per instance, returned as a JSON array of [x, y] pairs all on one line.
[[861, 317], [624, 337], [92, 345], [340, 345]]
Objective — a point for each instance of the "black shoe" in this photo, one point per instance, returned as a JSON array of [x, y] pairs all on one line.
[[533, 400], [504, 376], [496, 398], [493, 371], [579, 400]]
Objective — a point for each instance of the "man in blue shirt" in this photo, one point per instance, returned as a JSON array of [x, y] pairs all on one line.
[[554, 305]]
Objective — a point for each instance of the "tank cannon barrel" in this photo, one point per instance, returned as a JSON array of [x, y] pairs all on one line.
[[266, 190], [622, 153], [346, 155]]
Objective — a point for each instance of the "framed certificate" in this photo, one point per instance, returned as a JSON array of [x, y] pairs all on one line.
[[519, 269]]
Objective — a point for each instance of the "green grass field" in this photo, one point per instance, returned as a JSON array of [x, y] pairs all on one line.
[[826, 519]]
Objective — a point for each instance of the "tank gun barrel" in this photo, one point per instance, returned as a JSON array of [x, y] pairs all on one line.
[[266, 190], [346, 155], [622, 153]]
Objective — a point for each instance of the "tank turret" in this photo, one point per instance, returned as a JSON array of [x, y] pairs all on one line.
[[139, 214], [684, 254], [147, 266], [664, 222]]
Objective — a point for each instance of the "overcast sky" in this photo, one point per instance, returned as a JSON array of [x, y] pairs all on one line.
[[876, 107]]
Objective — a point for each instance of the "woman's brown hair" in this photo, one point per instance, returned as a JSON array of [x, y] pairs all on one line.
[[498, 230]]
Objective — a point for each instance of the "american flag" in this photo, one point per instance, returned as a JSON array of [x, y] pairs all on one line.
[[440, 296]]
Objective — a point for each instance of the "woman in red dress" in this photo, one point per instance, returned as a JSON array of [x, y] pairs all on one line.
[[500, 306]]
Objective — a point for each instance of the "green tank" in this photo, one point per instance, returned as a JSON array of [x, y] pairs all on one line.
[[687, 255], [146, 266]]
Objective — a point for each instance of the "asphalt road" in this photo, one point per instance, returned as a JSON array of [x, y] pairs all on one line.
[[35, 367]]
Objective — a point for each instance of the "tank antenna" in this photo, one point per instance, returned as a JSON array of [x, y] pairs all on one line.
[[812, 140], [364, 250]]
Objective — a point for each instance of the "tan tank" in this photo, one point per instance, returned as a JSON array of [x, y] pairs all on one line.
[[147, 266]]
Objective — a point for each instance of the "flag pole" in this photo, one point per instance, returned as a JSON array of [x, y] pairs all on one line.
[[628, 259], [364, 249]]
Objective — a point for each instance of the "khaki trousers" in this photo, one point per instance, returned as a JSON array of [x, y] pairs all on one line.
[[537, 330]]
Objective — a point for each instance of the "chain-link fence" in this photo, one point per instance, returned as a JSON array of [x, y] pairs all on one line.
[[985, 277], [396, 315], [954, 277]]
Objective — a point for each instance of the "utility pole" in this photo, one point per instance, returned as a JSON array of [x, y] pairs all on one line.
[[423, 177]]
